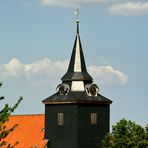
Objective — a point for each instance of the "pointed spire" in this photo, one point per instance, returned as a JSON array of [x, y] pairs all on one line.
[[77, 69]]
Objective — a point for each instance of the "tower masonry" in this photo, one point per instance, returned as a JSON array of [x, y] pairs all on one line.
[[77, 115]]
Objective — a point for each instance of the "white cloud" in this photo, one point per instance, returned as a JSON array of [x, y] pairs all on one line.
[[130, 8], [44, 67], [117, 7], [108, 75], [73, 3], [46, 71], [13, 69], [56, 3]]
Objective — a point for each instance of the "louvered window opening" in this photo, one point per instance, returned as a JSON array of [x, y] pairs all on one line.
[[93, 118], [60, 118]]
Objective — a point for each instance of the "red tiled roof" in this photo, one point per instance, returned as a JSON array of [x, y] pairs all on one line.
[[29, 132]]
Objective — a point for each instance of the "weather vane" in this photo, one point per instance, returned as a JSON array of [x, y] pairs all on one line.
[[77, 14]]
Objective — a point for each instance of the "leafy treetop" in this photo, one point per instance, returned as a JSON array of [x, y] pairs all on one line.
[[4, 117], [127, 134]]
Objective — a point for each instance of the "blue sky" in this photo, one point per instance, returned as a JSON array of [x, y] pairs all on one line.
[[36, 40]]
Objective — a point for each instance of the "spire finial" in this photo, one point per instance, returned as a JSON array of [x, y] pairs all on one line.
[[77, 14], [77, 20]]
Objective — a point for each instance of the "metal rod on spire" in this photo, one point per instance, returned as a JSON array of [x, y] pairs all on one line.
[[77, 21], [77, 14]]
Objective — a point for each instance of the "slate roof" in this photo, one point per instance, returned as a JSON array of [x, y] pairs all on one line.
[[29, 132], [71, 75], [76, 98]]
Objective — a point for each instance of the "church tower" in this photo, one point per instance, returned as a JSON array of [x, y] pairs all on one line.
[[77, 115]]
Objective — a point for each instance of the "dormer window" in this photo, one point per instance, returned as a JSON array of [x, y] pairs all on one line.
[[92, 90], [63, 89]]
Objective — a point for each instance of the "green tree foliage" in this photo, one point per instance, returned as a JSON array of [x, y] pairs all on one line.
[[126, 134], [4, 117]]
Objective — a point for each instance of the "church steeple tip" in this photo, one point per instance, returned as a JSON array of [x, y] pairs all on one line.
[[77, 20], [77, 70]]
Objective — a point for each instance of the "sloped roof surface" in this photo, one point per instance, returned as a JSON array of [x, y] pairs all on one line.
[[77, 68], [76, 97], [71, 75], [29, 132]]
